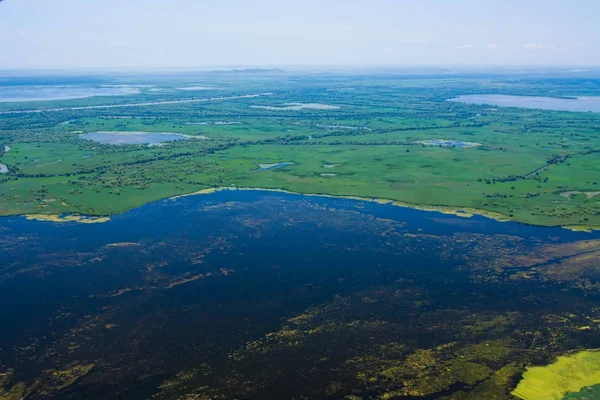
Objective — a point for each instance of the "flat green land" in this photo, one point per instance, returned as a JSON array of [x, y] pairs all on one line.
[[563, 379], [367, 147]]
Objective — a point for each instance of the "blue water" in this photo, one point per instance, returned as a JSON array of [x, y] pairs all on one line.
[[185, 284], [580, 104], [275, 166], [120, 138], [50, 92]]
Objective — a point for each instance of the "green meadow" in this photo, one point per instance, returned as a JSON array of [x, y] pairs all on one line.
[[536, 167]]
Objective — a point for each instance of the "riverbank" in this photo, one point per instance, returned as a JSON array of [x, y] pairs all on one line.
[[463, 212]]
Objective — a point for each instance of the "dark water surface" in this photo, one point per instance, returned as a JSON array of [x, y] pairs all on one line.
[[258, 295]]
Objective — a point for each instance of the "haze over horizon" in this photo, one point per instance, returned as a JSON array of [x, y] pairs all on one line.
[[69, 34]]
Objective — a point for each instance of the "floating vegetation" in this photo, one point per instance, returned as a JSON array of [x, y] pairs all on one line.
[[407, 308], [49, 383], [569, 374], [82, 219], [123, 244], [582, 228]]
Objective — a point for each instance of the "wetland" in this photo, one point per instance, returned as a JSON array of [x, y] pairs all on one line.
[[406, 144], [396, 245], [254, 295]]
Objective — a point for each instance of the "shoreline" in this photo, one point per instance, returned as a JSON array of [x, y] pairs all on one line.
[[463, 212]]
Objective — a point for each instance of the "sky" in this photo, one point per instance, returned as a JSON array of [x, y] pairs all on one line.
[[72, 34]]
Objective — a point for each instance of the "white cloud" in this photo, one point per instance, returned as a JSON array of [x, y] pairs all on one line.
[[465, 46], [491, 46], [578, 45], [538, 46]]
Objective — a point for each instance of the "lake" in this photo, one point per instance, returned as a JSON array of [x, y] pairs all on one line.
[[52, 92], [255, 295], [579, 104], [120, 138]]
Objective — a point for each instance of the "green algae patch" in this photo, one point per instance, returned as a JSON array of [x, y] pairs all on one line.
[[587, 393], [569, 374]]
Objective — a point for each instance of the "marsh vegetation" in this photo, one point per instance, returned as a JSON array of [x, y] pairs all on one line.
[[386, 140]]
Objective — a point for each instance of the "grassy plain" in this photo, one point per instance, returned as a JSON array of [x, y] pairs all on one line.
[[371, 136], [569, 374]]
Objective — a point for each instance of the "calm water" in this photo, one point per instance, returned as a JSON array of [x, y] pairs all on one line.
[[259, 295], [42, 93], [580, 104], [119, 138], [267, 167]]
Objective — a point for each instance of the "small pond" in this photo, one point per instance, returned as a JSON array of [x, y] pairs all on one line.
[[298, 107], [448, 143], [579, 104], [267, 167], [214, 123], [120, 138]]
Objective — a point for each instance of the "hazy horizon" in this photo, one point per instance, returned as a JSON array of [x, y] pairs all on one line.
[[148, 34]]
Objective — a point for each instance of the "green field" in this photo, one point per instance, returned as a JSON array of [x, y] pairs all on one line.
[[373, 137]]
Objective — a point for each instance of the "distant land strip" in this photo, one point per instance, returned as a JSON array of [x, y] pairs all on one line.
[[155, 103]]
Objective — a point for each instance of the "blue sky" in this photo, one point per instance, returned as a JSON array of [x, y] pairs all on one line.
[[193, 33]]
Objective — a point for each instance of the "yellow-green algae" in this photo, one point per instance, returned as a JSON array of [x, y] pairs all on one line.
[[49, 383], [67, 218], [582, 228], [568, 374]]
